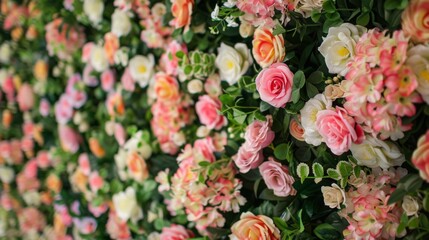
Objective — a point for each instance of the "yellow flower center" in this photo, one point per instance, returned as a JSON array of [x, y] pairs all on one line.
[[142, 69], [343, 52]]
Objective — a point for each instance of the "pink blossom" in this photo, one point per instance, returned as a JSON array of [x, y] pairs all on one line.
[[86, 225], [212, 86], [27, 144], [43, 159], [25, 97], [68, 4], [69, 138], [63, 109], [84, 163], [338, 130], [127, 81], [120, 134], [169, 59], [116, 228], [86, 51], [88, 78], [77, 97], [247, 158], [96, 182], [9, 89], [97, 210], [25, 183], [6, 201], [208, 110], [44, 107], [175, 232], [258, 134], [30, 169], [31, 219], [205, 149], [274, 84], [107, 80], [277, 178], [62, 39]]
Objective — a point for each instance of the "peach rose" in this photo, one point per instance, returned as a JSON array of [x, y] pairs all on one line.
[[267, 48], [53, 183], [40, 70], [182, 11], [338, 130], [7, 118], [415, 20], [296, 130], [115, 105], [96, 148], [251, 227], [137, 167], [166, 87], [111, 45], [274, 84], [208, 111], [420, 156], [25, 97]]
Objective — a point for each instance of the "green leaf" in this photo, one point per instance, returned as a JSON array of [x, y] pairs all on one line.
[[412, 182], [318, 170], [296, 95], [268, 194], [203, 164], [395, 4], [426, 202], [303, 170], [397, 195], [180, 54], [413, 223], [329, 6], [403, 223], [298, 80], [188, 70], [333, 173], [280, 223], [278, 29], [282, 151], [239, 116], [315, 16], [363, 19], [311, 90], [344, 168], [264, 106], [326, 231], [316, 77], [187, 37]]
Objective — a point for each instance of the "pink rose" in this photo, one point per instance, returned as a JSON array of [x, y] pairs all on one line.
[[86, 225], [63, 109], [97, 210], [120, 134], [274, 84], [25, 97], [86, 51], [107, 80], [208, 110], [43, 159], [44, 107], [69, 138], [116, 228], [259, 134], [247, 158], [31, 219], [206, 148], [76, 97], [175, 232], [30, 169], [88, 78], [25, 183], [127, 81], [277, 178], [338, 130]]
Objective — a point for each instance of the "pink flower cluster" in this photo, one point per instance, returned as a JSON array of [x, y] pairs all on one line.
[[72, 98], [380, 87], [175, 232], [203, 193], [258, 136], [63, 40], [264, 10], [367, 211]]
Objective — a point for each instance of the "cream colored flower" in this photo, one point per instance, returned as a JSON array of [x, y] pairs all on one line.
[[233, 62], [195, 86], [338, 47], [373, 153], [121, 24], [94, 10], [332, 92], [98, 58], [5, 52], [126, 205], [333, 196], [410, 205], [142, 69], [418, 60], [6, 174], [309, 116], [306, 7]]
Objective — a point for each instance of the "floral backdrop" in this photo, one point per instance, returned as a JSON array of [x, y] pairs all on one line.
[[221, 119]]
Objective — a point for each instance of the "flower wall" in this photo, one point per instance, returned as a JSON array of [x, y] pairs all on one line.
[[227, 119]]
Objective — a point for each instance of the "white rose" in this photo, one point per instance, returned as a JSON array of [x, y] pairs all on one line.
[[121, 56], [179, 138], [373, 153], [233, 62], [121, 24], [137, 144], [5, 52], [94, 10], [195, 86], [6, 174], [98, 59], [333, 196], [142, 68], [410, 205], [306, 7], [418, 60], [121, 163], [126, 205], [246, 29], [154, 236], [309, 117], [339, 46], [202, 131], [159, 10], [32, 198]]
